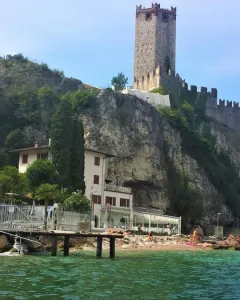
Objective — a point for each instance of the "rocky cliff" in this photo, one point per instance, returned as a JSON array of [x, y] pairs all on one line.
[[147, 147]]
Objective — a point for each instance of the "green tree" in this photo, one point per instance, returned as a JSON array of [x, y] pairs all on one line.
[[15, 139], [77, 202], [3, 157], [61, 141], [12, 181], [41, 171], [119, 82], [77, 156], [47, 99], [46, 192]]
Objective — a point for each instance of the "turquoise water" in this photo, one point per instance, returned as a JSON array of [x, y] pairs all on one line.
[[152, 275]]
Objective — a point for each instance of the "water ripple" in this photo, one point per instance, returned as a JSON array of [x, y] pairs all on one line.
[[152, 275]]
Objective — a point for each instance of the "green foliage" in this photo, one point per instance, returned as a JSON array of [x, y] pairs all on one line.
[[119, 82], [47, 192], [15, 139], [11, 181], [3, 157], [61, 141], [160, 91], [41, 171], [77, 202], [77, 156], [81, 99]]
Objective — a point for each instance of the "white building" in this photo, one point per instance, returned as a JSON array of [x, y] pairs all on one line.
[[111, 205]]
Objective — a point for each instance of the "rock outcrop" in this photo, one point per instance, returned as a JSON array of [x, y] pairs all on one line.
[[137, 134]]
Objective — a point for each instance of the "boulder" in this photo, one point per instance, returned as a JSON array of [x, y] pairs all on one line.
[[5, 245]]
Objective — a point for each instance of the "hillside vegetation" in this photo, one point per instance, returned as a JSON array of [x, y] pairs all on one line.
[[29, 95]]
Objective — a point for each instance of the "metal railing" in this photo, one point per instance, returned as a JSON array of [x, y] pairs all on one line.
[[15, 218], [147, 210], [120, 189], [29, 218]]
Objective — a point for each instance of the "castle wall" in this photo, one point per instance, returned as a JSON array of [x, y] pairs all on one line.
[[154, 99], [225, 112]]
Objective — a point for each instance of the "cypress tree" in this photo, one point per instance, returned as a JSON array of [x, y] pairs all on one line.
[[77, 156], [61, 141]]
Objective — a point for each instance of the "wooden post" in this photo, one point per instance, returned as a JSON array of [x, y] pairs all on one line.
[[99, 247], [54, 246], [112, 247], [66, 246]]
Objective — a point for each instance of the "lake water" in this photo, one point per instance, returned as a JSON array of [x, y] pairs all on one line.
[[132, 275]]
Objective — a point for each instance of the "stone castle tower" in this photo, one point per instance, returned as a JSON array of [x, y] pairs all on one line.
[[155, 45]]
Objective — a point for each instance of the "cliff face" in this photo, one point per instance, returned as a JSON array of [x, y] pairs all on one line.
[[17, 72], [145, 143]]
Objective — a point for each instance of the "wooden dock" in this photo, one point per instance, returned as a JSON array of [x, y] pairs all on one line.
[[69, 234]]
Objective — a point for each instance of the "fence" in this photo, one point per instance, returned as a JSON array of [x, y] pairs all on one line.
[[19, 218], [114, 188], [71, 221], [31, 218]]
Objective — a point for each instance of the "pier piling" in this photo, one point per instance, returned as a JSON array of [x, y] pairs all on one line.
[[112, 247], [66, 246], [54, 246], [99, 247]]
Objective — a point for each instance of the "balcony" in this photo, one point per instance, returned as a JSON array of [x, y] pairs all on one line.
[[118, 189]]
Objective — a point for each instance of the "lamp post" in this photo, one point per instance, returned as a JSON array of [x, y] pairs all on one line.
[[217, 222]]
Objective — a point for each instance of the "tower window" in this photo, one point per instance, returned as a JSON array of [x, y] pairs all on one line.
[[165, 16], [148, 16]]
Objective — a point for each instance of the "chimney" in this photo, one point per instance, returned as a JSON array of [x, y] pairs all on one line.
[[36, 144]]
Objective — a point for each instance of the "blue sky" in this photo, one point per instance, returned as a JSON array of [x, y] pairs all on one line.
[[94, 40]]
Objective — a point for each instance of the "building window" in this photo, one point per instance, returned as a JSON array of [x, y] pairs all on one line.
[[111, 200], [42, 155], [25, 159], [97, 161], [96, 179], [96, 199], [124, 202]]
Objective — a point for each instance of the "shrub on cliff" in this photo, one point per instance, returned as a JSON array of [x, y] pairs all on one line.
[[160, 91]]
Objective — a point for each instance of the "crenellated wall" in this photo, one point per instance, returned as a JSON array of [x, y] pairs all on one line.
[[225, 112]]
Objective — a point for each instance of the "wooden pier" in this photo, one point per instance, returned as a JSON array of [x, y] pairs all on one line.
[[67, 235]]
